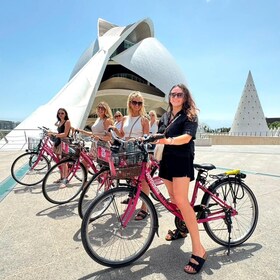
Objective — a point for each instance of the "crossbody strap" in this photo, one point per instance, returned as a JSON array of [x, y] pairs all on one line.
[[133, 125], [171, 123]]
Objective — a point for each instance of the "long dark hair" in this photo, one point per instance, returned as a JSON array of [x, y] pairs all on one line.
[[189, 106], [66, 114]]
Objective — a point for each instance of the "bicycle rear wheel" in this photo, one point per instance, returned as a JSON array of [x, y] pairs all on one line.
[[99, 183], [29, 170], [57, 191], [241, 198], [104, 237]]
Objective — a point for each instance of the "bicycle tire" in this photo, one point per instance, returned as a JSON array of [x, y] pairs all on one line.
[[26, 173], [103, 237], [52, 189], [243, 224], [100, 182]]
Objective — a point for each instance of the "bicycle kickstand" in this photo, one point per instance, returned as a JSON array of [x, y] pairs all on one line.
[[228, 223]]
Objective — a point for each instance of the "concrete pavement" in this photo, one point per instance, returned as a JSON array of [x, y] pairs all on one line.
[[39, 240]]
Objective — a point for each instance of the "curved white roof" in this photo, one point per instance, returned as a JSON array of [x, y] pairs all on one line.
[[146, 57]]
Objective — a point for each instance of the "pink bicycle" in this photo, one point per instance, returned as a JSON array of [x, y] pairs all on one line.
[[78, 163], [30, 168], [112, 237]]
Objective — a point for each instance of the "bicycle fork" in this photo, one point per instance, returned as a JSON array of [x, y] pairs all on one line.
[[130, 209]]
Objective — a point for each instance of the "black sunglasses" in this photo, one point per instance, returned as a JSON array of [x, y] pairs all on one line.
[[116, 116], [179, 94], [139, 103]]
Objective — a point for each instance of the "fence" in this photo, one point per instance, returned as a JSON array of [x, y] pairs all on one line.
[[16, 139]]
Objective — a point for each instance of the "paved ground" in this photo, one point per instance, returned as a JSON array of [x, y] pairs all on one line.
[[39, 240]]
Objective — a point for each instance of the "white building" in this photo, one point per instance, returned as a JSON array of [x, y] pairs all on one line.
[[122, 59]]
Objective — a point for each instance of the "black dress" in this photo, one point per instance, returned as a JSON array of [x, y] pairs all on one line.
[[177, 160]]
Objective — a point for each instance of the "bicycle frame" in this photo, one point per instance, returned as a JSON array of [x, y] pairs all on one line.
[[88, 160], [145, 175], [45, 149]]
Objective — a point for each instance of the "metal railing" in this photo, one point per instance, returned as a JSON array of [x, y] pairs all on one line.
[[17, 140]]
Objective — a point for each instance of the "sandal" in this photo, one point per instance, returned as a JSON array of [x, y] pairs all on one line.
[[57, 181], [197, 267], [125, 201], [63, 184], [142, 214], [175, 234]]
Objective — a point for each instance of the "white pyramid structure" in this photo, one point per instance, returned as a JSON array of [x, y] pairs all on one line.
[[249, 119], [120, 60]]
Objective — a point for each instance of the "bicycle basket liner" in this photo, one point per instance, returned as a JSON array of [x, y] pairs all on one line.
[[33, 143], [103, 155], [71, 150], [128, 162]]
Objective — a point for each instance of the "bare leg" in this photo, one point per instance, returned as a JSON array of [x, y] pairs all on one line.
[[178, 190]]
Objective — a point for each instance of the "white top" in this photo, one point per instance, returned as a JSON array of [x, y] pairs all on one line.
[[153, 128], [118, 125], [98, 127], [137, 130]]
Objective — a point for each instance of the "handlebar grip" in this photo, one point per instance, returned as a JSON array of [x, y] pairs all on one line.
[[154, 137], [110, 129]]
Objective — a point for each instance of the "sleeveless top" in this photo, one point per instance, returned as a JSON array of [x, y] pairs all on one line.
[[60, 129], [118, 125], [137, 130], [98, 127], [154, 128]]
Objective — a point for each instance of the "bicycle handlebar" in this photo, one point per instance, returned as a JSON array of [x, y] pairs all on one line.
[[146, 139]]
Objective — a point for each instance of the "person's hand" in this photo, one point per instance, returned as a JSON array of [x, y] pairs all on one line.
[[94, 137], [113, 128]]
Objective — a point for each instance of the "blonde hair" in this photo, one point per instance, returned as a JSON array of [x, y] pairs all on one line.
[[136, 94], [108, 111], [154, 113], [118, 113]]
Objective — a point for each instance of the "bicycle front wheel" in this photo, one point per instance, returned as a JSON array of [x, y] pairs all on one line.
[[59, 191], [29, 169], [104, 237], [241, 198], [99, 183]]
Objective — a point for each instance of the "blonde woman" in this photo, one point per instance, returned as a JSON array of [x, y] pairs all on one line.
[[136, 125], [99, 130], [118, 119], [153, 122], [103, 122]]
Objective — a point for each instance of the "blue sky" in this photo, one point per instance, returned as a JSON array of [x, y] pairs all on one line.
[[215, 42]]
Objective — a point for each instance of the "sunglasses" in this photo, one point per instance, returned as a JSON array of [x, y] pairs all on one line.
[[139, 103], [116, 116], [61, 113], [178, 95], [101, 108]]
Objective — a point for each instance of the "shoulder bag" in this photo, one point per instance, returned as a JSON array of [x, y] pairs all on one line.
[[159, 147]]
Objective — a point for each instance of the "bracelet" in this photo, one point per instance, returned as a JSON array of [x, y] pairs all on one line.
[[171, 140]]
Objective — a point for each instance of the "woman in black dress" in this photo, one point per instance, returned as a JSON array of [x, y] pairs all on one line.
[[176, 167]]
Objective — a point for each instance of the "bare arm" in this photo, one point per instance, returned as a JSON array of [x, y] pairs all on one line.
[[146, 126], [178, 140]]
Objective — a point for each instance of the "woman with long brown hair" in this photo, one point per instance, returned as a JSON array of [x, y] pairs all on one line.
[[179, 124]]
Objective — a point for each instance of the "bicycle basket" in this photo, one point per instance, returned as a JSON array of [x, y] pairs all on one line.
[[33, 143], [124, 163], [72, 151]]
